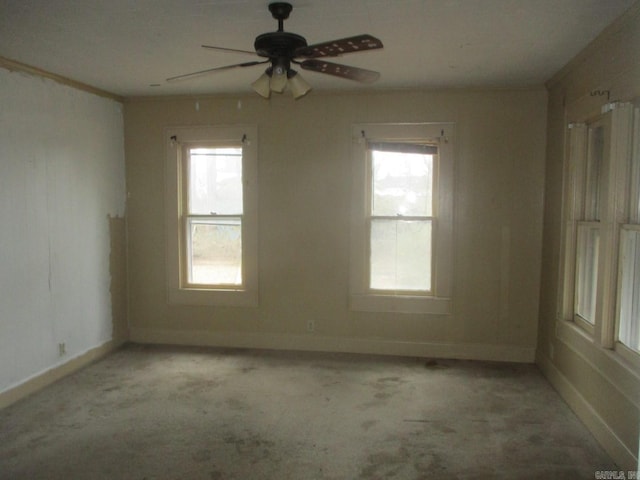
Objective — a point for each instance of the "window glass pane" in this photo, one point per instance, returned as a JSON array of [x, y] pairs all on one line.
[[400, 255], [215, 181], [587, 272], [594, 173], [402, 184], [629, 321], [215, 253], [634, 197]]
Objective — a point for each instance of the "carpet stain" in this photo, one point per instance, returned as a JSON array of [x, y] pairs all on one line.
[[385, 464], [536, 439], [383, 395], [236, 404], [366, 425], [201, 456], [433, 364], [250, 445]]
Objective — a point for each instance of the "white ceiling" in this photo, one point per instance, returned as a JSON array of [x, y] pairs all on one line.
[[125, 46]]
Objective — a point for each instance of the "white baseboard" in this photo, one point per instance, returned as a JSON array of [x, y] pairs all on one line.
[[613, 445], [312, 342], [54, 374]]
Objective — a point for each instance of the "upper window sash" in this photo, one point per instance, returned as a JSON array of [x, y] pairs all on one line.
[[595, 170], [201, 197], [634, 188]]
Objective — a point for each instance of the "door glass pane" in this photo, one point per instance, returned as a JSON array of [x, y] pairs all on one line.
[[402, 184], [400, 255], [587, 272], [215, 253], [629, 321], [215, 181]]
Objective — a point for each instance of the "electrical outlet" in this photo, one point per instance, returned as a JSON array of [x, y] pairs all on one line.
[[62, 349], [311, 326]]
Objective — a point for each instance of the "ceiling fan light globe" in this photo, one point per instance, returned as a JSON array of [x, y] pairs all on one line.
[[262, 85], [298, 86], [278, 81]]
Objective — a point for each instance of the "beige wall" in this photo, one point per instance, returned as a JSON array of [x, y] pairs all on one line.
[[601, 389], [304, 207]]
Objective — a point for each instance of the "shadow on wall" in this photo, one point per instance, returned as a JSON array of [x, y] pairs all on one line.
[[118, 273]]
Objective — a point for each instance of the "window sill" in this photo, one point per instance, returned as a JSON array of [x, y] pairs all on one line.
[[211, 297], [585, 325], [630, 356], [400, 304], [615, 365]]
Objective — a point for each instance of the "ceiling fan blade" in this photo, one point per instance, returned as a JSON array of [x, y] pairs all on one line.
[[334, 48], [216, 69], [343, 71], [223, 49]]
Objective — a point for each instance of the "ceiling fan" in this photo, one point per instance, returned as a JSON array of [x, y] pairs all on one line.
[[281, 49]]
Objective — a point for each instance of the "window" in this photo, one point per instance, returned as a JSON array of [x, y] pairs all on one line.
[[213, 215], [601, 265], [211, 219], [629, 276], [402, 218]]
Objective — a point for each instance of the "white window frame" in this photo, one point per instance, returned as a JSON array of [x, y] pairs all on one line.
[[178, 140], [438, 300], [612, 215]]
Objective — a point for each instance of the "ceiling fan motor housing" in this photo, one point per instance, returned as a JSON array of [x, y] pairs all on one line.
[[278, 44], [279, 47]]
